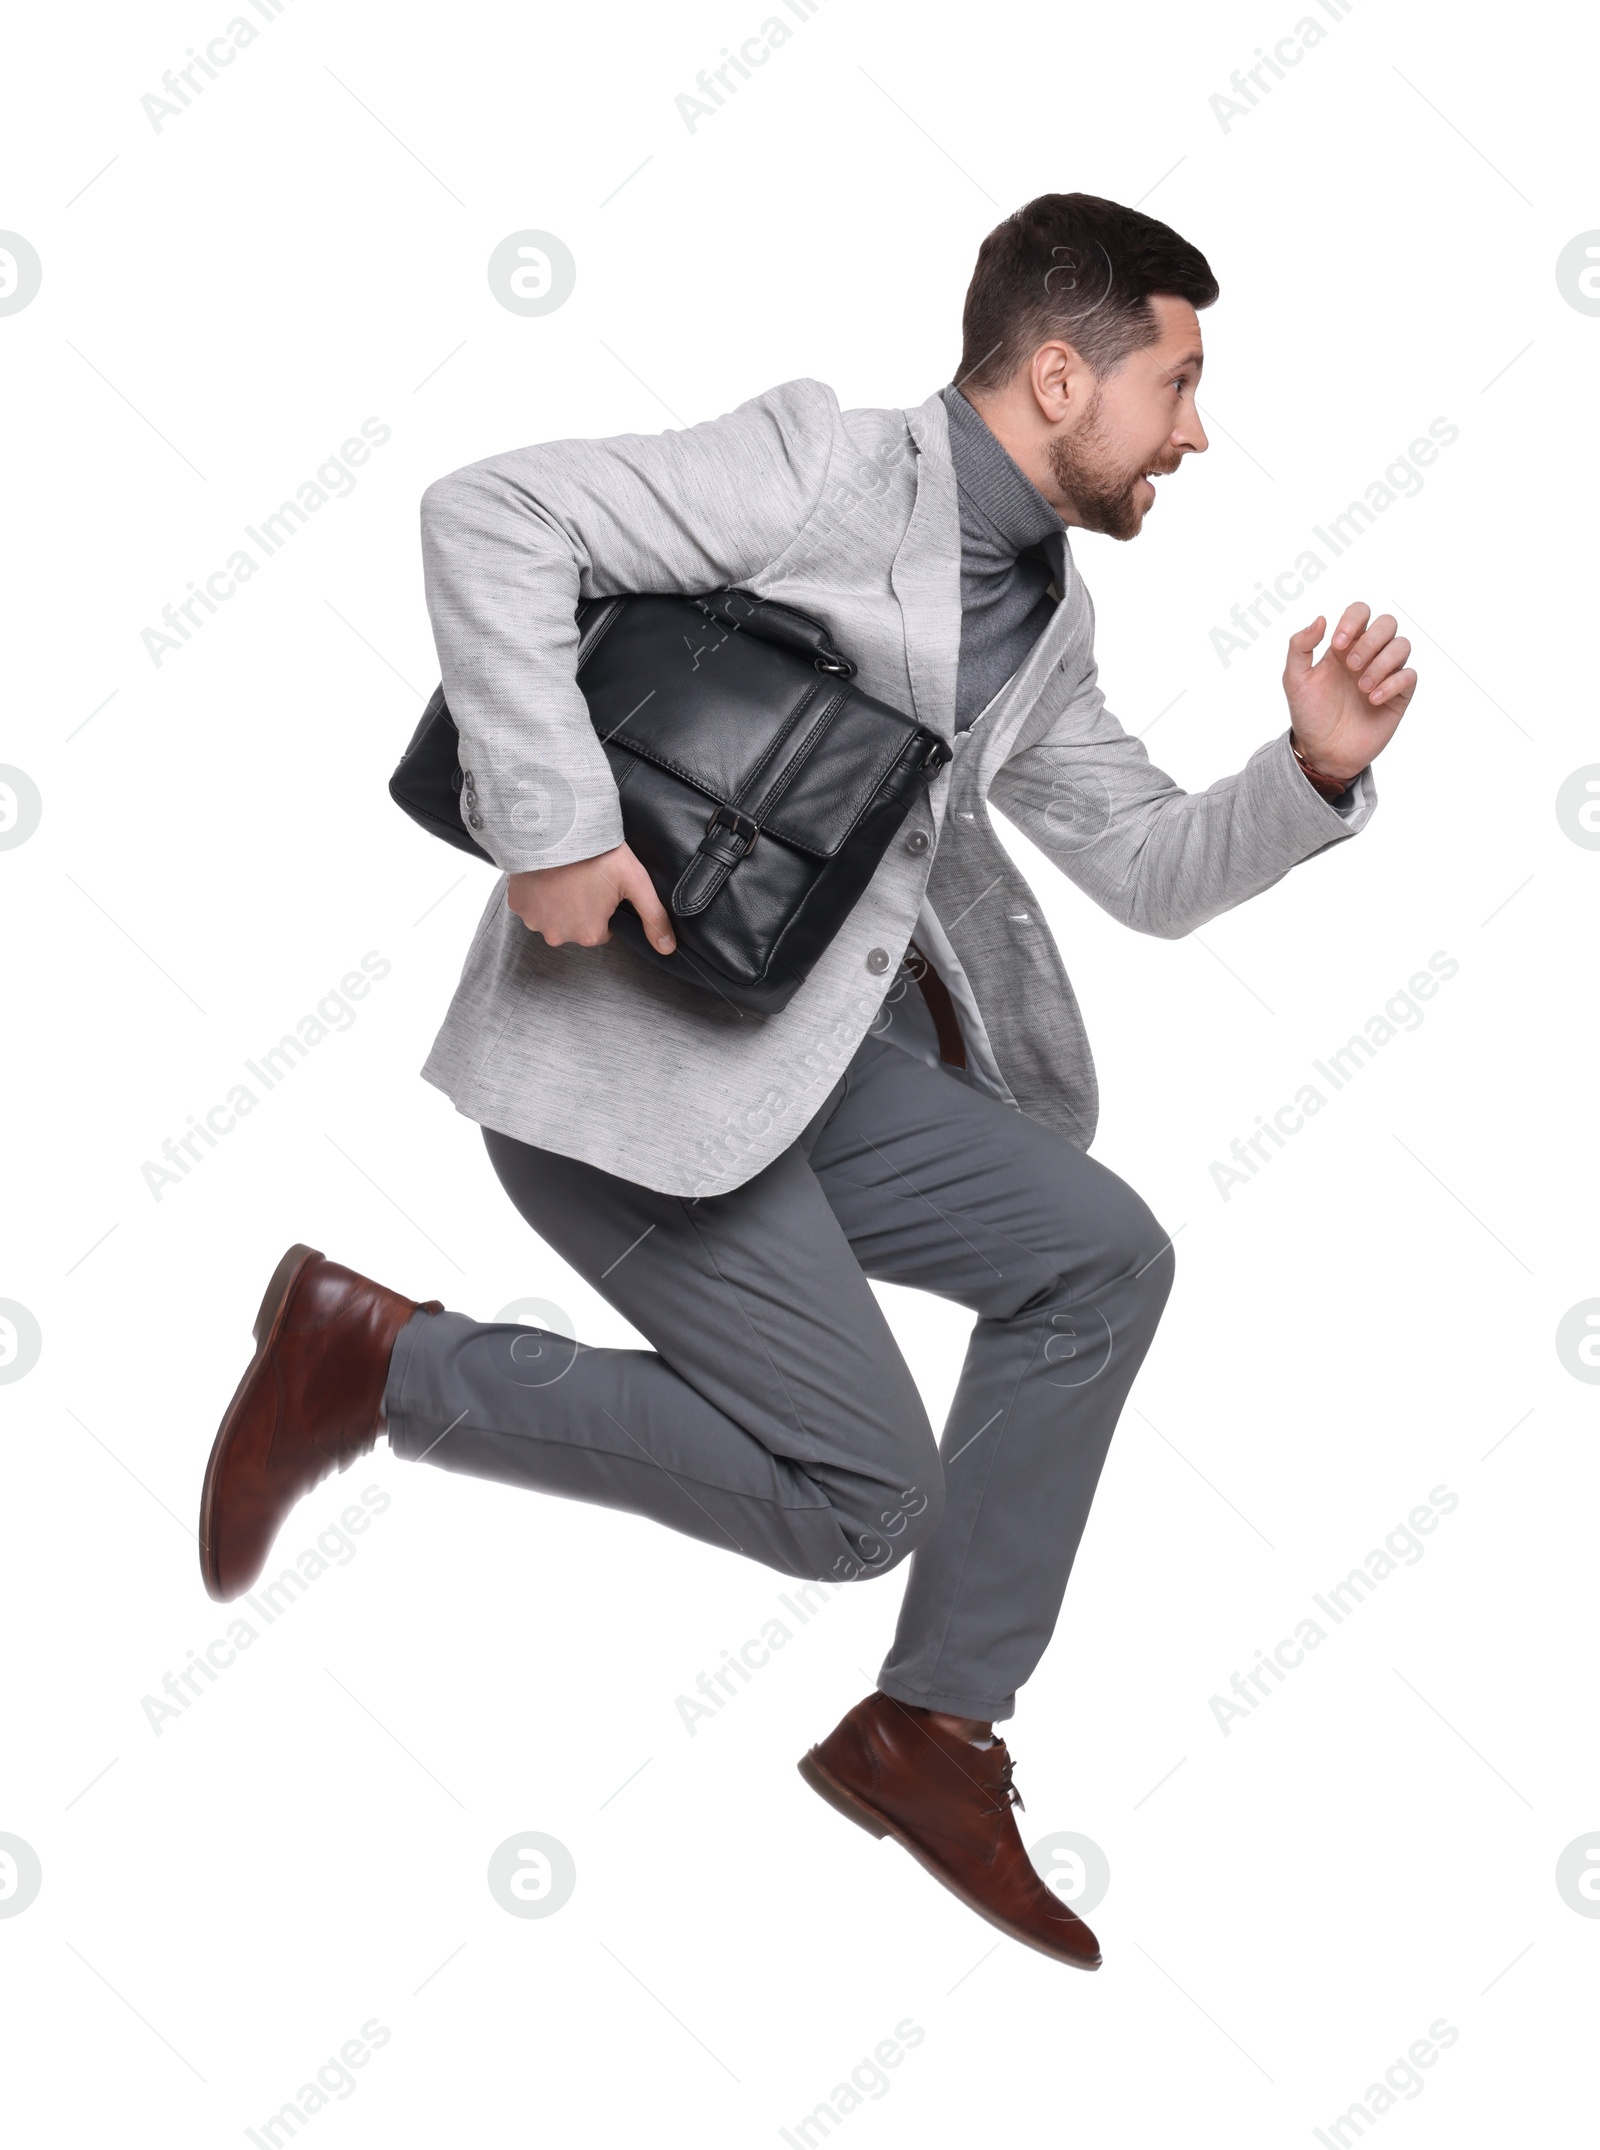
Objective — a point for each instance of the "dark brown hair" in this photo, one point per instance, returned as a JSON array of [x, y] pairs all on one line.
[[1077, 267]]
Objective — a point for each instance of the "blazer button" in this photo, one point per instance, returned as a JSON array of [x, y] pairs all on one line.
[[475, 821], [878, 960], [917, 842]]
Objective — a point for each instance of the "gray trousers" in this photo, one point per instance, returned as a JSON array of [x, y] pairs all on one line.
[[775, 1415]]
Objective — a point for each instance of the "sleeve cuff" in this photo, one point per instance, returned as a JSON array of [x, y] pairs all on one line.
[[1329, 819], [547, 824]]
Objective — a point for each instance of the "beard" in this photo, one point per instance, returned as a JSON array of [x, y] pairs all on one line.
[[1097, 481]]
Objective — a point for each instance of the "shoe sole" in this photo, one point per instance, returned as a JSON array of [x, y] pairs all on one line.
[[857, 1810], [267, 1328]]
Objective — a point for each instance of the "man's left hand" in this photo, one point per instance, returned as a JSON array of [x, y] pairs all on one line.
[[1346, 706]]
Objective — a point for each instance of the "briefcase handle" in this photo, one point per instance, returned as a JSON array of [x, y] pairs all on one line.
[[769, 621]]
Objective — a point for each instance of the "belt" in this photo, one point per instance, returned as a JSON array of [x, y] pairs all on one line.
[[952, 1047]]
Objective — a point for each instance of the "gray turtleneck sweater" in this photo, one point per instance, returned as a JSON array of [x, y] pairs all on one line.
[[1010, 554]]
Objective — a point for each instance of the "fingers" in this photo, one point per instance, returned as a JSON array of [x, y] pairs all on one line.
[[521, 897], [575, 903], [636, 885], [1373, 648], [1388, 659], [1302, 644], [1366, 646], [1396, 690]]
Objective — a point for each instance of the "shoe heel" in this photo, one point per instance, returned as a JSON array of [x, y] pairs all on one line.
[[278, 1290], [839, 1799]]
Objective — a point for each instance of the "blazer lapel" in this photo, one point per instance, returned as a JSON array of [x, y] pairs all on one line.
[[925, 574]]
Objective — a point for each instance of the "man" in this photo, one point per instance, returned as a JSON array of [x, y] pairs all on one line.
[[921, 1110]]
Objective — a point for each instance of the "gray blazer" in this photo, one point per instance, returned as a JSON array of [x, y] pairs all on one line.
[[852, 517]]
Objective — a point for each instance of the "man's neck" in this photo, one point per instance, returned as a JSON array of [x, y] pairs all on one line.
[[1023, 443], [999, 484]]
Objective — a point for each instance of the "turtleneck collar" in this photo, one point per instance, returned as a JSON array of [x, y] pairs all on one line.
[[1008, 500]]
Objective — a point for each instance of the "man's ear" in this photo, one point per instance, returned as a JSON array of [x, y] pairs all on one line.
[[1061, 383]]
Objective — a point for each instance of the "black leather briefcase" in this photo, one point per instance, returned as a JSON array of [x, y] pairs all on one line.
[[760, 787]]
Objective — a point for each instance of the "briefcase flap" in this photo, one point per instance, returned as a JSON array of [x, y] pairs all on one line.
[[751, 726]]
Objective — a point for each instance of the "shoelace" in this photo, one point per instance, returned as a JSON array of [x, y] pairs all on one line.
[[1003, 1784]]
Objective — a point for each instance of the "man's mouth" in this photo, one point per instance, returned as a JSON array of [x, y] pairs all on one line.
[[1156, 470]]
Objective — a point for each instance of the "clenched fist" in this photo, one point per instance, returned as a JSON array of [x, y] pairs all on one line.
[[575, 903]]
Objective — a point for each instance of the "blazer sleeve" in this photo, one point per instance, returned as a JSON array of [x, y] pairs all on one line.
[[1161, 859], [511, 544]]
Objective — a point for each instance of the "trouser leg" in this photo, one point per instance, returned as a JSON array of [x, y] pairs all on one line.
[[939, 1187], [774, 1416]]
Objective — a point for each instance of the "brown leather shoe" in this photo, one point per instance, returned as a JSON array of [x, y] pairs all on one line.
[[311, 1401], [894, 1772]]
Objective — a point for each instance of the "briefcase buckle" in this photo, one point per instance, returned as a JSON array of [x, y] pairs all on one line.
[[740, 827]]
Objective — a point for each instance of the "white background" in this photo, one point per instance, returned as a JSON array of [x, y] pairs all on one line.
[[1292, 1904]]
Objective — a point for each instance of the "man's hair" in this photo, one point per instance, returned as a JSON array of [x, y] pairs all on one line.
[[1079, 268]]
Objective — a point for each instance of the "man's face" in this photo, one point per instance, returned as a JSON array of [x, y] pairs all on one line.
[[1139, 418]]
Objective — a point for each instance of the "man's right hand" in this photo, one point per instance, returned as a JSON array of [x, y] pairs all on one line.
[[575, 903]]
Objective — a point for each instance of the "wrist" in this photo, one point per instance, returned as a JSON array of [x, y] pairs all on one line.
[[1331, 783]]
